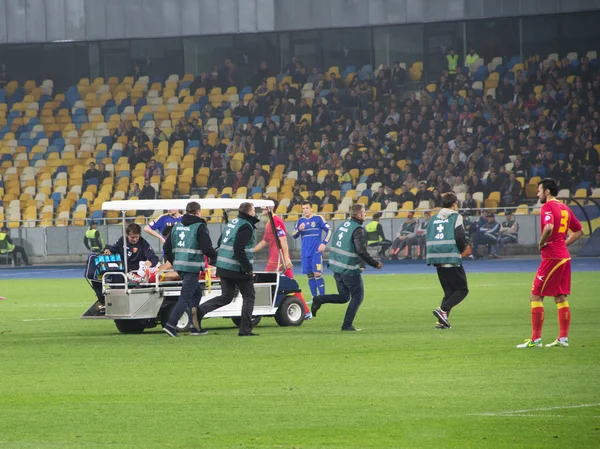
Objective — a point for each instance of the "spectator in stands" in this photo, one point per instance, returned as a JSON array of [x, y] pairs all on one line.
[[193, 131], [405, 196], [223, 181], [256, 180], [92, 173], [407, 237], [422, 194], [178, 134], [410, 181], [140, 138], [390, 196], [436, 198], [130, 130], [135, 157], [344, 177], [399, 77], [380, 196], [314, 199], [328, 198], [469, 205], [152, 169], [494, 184], [158, 137], [148, 192], [487, 235], [509, 231], [135, 190], [475, 185], [511, 191], [240, 180], [459, 185], [217, 162]]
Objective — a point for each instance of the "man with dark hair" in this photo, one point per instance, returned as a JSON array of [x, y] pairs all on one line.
[[274, 264], [446, 241], [347, 250], [311, 227], [376, 237], [488, 235], [235, 267], [185, 249], [553, 277]]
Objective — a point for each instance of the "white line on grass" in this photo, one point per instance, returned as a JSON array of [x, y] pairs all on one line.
[[542, 409], [49, 319]]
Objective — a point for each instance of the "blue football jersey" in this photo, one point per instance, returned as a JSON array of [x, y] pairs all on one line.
[[163, 224], [312, 234]]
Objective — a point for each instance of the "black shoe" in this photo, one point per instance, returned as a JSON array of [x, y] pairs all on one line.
[[350, 329], [251, 334], [315, 306], [197, 332], [170, 330]]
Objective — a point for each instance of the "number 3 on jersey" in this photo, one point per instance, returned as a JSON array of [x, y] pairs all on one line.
[[564, 221]]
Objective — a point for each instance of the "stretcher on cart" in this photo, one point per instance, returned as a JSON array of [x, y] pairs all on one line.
[[135, 306]]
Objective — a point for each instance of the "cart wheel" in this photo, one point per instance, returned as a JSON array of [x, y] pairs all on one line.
[[290, 312], [183, 325], [131, 326], [238, 321]]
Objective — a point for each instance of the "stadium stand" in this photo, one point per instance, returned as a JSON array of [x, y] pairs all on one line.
[[489, 133]]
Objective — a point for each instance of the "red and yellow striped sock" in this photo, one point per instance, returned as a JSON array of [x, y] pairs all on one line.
[[564, 319], [537, 319]]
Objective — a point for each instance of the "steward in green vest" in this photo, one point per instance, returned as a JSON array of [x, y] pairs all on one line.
[[348, 250], [92, 239], [471, 58], [446, 240], [185, 248], [235, 267], [452, 59], [7, 246], [376, 237]]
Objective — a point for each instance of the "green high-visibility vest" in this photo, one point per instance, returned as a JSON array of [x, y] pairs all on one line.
[[5, 246], [187, 254], [226, 258], [470, 59], [343, 258], [441, 244], [372, 235], [95, 239], [452, 63]]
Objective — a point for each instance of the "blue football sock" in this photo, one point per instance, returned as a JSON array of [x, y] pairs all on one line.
[[320, 285], [312, 284]]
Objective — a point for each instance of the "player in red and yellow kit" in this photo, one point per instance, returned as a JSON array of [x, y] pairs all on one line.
[[553, 277], [274, 263]]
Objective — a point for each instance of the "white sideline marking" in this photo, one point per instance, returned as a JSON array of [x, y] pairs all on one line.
[[541, 409], [48, 319]]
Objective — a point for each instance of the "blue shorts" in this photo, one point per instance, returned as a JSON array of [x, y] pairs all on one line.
[[312, 264]]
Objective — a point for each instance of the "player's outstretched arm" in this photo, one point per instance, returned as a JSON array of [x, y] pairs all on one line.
[[153, 233]]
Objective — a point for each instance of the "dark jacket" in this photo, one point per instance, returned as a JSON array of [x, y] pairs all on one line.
[[242, 238], [359, 237], [140, 252], [202, 236]]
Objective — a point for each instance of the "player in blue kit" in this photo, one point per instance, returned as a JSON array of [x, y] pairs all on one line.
[[311, 227], [161, 227]]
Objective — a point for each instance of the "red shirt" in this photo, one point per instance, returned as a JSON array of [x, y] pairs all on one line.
[[268, 237], [556, 213]]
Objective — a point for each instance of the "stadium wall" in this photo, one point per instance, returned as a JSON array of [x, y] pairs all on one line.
[[27, 21], [65, 243]]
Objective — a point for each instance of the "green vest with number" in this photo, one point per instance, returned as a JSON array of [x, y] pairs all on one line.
[[452, 63], [187, 254], [226, 258], [441, 245], [372, 235], [5, 246], [343, 258], [96, 243]]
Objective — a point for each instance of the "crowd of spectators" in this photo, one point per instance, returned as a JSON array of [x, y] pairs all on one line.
[[455, 138]]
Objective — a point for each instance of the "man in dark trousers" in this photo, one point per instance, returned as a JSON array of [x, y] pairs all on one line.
[[348, 247], [92, 239], [7, 245], [376, 237], [446, 241], [235, 266], [185, 249]]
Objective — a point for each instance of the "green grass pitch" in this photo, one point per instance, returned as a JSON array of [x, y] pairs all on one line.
[[70, 383]]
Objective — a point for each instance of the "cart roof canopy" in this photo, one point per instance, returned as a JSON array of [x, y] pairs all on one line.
[[181, 204]]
